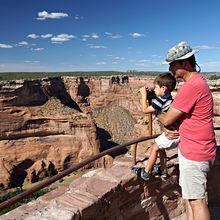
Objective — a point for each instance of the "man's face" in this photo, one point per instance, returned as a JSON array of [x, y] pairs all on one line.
[[174, 68]]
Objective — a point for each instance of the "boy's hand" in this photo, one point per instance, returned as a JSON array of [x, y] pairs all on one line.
[[143, 91]]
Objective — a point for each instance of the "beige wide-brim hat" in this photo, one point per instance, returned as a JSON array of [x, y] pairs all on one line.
[[179, 52]]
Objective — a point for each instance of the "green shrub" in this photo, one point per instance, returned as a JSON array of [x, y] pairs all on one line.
[[9, 195], [214, 77]]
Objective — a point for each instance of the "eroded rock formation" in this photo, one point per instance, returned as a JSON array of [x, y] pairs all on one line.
[[42, 131]]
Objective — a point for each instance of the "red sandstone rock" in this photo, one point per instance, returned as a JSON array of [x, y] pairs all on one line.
[[41, 135]]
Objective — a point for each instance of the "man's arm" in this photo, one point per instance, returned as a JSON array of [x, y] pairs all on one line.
[[170, 116]]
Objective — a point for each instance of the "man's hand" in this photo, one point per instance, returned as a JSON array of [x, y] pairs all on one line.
[[171, 134]]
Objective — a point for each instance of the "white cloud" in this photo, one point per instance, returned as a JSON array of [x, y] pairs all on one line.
[[31, 61], [54, 15], [211, 64], [108, 33], [97, 46], [118, 58], [113, 36], [156, 56], [37, 49], [46, 36], [22, 43], [101, 63], [5, 46], [143, 61], [136, 35], [62, 38], [206, 47], [95, 35], [85, 36], [141, 64], [33, 36], [117, 36]]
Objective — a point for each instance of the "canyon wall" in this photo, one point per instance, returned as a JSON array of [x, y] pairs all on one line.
[[47, 125], [42, 131]]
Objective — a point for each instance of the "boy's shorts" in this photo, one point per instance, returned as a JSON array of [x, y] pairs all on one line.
[[164, 143], [193, 177]]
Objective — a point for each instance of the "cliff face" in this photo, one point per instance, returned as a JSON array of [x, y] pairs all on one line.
[[42, 131], [114, 104]]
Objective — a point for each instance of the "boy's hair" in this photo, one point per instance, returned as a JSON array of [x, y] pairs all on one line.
[[166, 79]]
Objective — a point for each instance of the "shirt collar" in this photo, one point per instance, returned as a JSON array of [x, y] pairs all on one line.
[[166, 96]]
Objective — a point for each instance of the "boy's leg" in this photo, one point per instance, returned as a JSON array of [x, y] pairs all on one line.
[[163, 160], [152, 159]]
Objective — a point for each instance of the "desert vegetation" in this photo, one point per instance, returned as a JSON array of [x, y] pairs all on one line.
[[37, 75]]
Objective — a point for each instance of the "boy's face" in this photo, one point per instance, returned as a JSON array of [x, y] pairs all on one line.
[[159, 91]]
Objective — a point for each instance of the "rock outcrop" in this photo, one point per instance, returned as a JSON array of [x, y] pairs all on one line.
[[42, 131]]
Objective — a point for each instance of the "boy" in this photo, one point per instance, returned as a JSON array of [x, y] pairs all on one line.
[[164, 85]]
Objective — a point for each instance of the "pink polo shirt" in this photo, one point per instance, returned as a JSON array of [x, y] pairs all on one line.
[[197, 137]]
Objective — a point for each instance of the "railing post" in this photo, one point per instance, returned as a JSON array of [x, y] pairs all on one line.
[[134, 153], [150, 96], [150, 124]]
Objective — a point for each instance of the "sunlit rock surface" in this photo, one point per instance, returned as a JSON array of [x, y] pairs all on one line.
[[42, 131]]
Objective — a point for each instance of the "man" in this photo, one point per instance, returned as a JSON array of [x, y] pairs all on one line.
[[193, 108]]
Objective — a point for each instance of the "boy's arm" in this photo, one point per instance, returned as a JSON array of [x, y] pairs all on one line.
[[145, 108]]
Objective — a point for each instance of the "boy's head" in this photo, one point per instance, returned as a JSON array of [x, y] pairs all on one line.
[[164, 83]]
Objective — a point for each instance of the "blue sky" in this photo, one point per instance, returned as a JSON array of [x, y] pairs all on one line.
[[95, 35]]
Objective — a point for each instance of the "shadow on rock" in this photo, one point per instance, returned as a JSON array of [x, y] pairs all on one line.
[[106, 143]]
